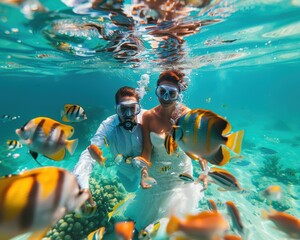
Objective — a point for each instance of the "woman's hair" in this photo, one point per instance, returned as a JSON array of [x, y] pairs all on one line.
[[126, 92], [173, 76]]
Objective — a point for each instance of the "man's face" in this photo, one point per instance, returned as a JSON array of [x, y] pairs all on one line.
[[128, 108]]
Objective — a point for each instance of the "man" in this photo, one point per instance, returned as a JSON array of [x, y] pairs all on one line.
[[122, 132]]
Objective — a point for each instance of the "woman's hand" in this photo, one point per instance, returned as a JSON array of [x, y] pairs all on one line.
[[144, 175], [203, 178], [90, 199]]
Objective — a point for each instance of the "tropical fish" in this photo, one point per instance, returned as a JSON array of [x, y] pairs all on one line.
[[96, 154], [224, 179], [232, 237], [272, 193], [235, 216], [205, 225], [118, 205], [284, 222], [164, 169], [86, 211], [48, 137], [150, 231], [73, 113], [212, 205], [148, 180], [13, 144], [186, 177], [36, 199], [124, 230], [97, 234], [105, 142], [202, 133]]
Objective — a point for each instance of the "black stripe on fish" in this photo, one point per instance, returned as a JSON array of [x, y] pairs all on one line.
[[77, 112], [59, 188], [73, 110], [52, 129], [38, 129], [216, 158], [222, 178], [28, 213], [23, 127], [60, 138]]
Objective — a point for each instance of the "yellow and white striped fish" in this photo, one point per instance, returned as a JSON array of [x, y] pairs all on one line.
[[13, 144], [202, 133], [48, 137], [97, 234], [73, 113], [150, 231], [36, 199]]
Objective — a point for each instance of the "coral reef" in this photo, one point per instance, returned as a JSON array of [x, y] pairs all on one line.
[[106, 193]]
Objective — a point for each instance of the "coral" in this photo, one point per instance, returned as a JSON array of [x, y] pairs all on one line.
[[106, 193]]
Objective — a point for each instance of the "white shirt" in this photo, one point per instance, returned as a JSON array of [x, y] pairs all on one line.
[[120, 141]]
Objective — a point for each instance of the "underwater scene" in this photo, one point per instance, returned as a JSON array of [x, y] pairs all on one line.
[[215, 157]]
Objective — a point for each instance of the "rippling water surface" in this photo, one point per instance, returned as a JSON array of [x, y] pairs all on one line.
[[241, 59]]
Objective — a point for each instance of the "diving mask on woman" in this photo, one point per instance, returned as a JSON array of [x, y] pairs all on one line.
[[127, 110], [167, 92]]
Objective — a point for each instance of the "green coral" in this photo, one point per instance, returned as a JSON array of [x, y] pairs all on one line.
[[106, 193]]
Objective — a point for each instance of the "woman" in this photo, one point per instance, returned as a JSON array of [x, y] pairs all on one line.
[[171, 194]]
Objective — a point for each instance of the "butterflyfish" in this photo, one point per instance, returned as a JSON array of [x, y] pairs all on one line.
[[202, 133], [97, 234], [272, 193], [48, 137], [124, 230], [36, 199], [205, 225], [284, 222], [73, 113], [224, 179], [96, 154], [13, 144]]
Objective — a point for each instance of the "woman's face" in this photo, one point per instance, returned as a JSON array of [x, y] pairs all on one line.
[[167, 93]]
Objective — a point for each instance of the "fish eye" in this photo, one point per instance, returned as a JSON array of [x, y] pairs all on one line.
[[72, 130]]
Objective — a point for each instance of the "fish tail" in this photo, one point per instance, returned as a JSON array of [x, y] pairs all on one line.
[[234, 141], [173, 224], [264, 214], [71, 145]]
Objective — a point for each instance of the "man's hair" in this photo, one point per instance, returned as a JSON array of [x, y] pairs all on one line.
[[126, 92], [173, 76]]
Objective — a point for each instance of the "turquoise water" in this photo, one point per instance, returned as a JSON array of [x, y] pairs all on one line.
[[244, 66]]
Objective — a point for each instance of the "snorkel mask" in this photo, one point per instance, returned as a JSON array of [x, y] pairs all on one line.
[[127, 112], [167, 92]]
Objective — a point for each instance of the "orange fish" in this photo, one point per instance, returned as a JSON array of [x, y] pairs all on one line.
[[232, 237], [97, 234], [284, 222], [48, 137], [235, 216], [125, 230], [36, 199], [205, 225], [212, 205], [96, 154]]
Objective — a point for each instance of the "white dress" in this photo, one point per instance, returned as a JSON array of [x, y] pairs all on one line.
[[171, 194]]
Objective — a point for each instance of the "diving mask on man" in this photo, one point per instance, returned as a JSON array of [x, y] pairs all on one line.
[[127, 111]]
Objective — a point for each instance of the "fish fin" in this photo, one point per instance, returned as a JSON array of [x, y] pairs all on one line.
[[221, 157], [71, 145], [264, 214], [40, 234], [58, 155], [234, 141], [173, 224], [222, 189], [170, 144], [118, 205], [34, 154], [64, 118], [192, 156]]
